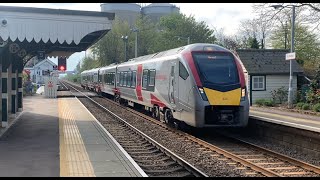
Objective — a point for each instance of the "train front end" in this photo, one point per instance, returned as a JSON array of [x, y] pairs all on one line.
[[222, 98]]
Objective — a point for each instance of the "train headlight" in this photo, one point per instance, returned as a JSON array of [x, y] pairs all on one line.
[[243, 94], [203, 94]]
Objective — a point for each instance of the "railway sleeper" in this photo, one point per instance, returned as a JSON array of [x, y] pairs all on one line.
[[135, 146], [171, 163], [171, 170], [146, 152], [180, 174], [150, 157], [139, 148], [154, 160]]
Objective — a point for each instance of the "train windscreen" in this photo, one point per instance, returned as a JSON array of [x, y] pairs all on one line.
[[216, 68]]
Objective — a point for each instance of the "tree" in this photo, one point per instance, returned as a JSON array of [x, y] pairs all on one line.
[[88, 63], [253, 43], [178, 25], [229, 42], [110, 48], [307, 45], [147, 35], [256, 29]]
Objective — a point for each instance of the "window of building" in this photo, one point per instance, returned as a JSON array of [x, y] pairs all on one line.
[[258, 83]]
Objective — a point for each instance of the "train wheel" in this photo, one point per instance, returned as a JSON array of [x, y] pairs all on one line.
[[156, 113], [168, 117], [117, 98]]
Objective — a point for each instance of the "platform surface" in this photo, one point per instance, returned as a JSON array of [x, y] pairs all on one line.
[[59, 137]]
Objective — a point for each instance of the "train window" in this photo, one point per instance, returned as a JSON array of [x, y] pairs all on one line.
[[129, 78], [108, 78], [145, 79], [121, 78], [125, 79], [133, 83], [152, 74], [105, 78], [183, 73], [112, 78], [118, 78], [216, 68]]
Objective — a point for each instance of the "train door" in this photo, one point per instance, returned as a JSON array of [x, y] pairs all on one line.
[[173, 87]]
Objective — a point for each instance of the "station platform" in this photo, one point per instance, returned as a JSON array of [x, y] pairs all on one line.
[[60, 137], [283, 117]]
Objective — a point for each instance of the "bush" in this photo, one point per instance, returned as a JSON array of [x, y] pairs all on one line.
[[279, 95], [316, 107], [306, 107], [260, 102], [268, 103], [299, 105]]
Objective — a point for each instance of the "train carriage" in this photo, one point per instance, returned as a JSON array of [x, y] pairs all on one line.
[[90, 79], [107, 79], [202, 85]]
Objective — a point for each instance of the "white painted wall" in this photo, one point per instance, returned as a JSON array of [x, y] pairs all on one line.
[[273, 82]]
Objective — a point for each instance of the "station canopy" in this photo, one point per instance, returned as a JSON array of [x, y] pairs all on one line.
[[28, 31]]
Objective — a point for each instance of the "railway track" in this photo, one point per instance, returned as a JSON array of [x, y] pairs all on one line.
[[250, 159], [152, 157]]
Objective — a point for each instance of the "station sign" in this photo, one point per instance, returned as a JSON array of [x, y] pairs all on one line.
[[291, 56]]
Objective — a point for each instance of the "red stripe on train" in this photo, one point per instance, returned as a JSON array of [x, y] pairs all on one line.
[[138, 87], [188, 56], [241, 73], [155, 100]]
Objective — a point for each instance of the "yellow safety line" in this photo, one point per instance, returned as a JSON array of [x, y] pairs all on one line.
[[285, 117], [74, 159]]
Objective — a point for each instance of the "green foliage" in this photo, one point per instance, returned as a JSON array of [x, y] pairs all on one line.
[[260, 102], [268, 102], [73, 77], [299, 105], [279, 95], [313, 94], [88, 63], [307, 45], [180, 25], [253, 43], [151, 38], [306, 106], [299, 96], [265, 102], [316, 107]]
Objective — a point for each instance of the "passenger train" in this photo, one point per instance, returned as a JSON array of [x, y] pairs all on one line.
[[202, 85]]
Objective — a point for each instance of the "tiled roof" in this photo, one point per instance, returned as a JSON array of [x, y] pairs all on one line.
[[267, 61]]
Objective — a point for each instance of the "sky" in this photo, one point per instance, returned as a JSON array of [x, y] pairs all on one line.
[[217, 15]]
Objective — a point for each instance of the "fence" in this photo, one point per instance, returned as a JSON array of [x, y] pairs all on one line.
[[50, 88]]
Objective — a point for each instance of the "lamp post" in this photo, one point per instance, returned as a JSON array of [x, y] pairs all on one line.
[[290, 92], [125, 40], [136, 42], [180, 37]]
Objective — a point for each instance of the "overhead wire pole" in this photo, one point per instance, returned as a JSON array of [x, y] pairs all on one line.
[[125, 38], [180, 37], [136, 42], [290, 91]]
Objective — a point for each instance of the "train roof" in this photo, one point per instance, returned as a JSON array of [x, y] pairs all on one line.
[[110, 66], [175, 51], [91, 70]]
